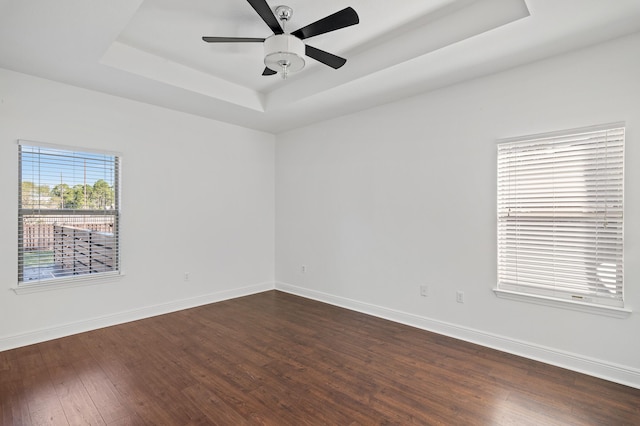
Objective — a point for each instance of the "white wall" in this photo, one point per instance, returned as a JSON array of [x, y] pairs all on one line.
[[377, 203], [198, 197]]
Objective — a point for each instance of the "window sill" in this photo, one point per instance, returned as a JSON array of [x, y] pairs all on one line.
[[610, 311], [48, 285]]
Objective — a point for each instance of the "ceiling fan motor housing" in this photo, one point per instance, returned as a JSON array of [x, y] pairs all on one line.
[[284, 50]]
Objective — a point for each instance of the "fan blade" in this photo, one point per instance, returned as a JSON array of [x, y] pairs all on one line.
[[232, 39], [263, 9], [268, 71], [344, 18], [326, 58]]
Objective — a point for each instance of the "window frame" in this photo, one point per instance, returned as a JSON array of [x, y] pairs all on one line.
[[70, 280], [562, 298]]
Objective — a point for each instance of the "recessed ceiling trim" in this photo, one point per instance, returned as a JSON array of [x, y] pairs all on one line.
[[147, 65], [453, 23]]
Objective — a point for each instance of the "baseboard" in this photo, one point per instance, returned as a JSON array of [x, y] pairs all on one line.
[[50, 333], [597, 368], [593, 367]]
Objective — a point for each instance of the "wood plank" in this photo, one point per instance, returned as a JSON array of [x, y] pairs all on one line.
[[62, 356], [14, 407], [43, 402], [117, 356]]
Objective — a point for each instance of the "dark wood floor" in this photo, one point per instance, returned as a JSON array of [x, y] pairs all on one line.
[[278, 359]]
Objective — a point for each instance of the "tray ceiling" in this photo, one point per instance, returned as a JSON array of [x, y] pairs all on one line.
[[151, 51]]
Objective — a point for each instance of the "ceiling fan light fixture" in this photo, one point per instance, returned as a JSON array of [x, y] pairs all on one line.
[[284, 53]]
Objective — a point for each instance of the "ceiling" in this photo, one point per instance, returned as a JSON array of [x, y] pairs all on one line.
[[151, 50]]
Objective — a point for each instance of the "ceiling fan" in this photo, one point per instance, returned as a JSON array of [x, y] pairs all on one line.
[[284, 52]]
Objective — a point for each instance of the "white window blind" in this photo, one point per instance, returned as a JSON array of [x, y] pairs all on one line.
[[68, 215], [560, 215]]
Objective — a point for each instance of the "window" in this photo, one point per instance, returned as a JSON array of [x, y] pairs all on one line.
[[560, 215], [68, 214]]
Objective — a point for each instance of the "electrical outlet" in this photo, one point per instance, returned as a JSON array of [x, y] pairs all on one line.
[[303, 269], [459, 296], [186, 276], [424, 291]]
